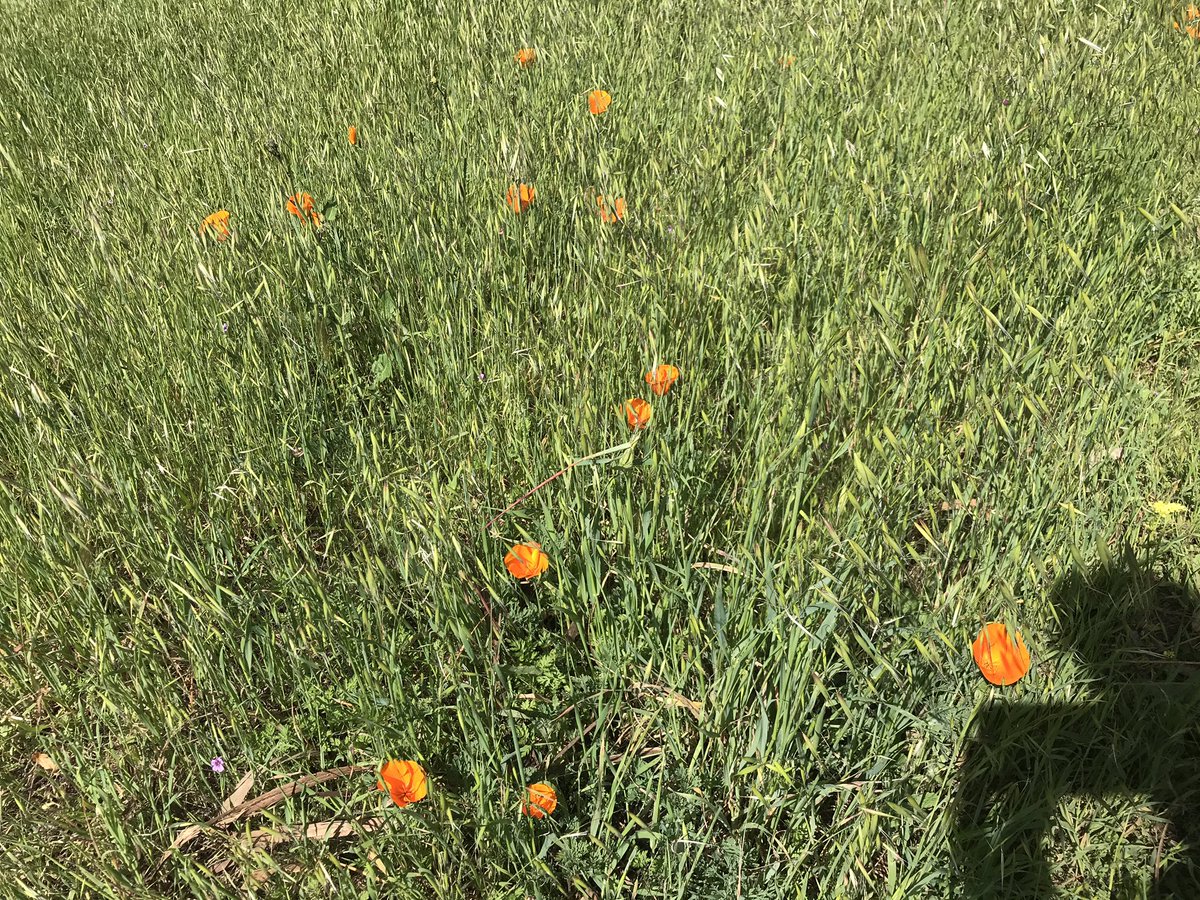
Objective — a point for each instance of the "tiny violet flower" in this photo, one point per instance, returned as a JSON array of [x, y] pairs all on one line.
[[482, 377], [224, 328], [217, 764], [1006, 101]]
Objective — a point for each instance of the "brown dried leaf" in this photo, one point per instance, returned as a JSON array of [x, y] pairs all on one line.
[[46, 763], [258, 804], [238, 797], [271, 797], [720, 567]]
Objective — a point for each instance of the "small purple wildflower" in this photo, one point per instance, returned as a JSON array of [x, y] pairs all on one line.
[[217, 764], [1006, 101], [482, 377], [224, 328]]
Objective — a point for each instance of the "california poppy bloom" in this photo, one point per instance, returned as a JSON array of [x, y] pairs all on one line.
[[1002, 659], [1193, 30], [519, 197], [787, 61], [302, 207], [352, 135], [405, 780], [637, 413], [216, 225], [542, 800], [609, 215], [525, 56], [660, 379], [598, 101], [526, 561]]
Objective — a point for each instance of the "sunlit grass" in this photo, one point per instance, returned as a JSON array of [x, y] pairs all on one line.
[[931, 291]]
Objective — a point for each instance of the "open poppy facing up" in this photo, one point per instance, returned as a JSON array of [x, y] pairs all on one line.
[[525, 56], [598, 101], [611, 214], [1002, 659], [405, 780], [216, 225], [542, 800], [526, 561], [660, 379], [637, 413], [302, 207], [519, 197], [352, 134]]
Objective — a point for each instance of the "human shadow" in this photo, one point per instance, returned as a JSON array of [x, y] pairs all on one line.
[[1133, 731]]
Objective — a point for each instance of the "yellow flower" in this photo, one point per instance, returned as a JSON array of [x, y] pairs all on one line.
[[1167, 510]]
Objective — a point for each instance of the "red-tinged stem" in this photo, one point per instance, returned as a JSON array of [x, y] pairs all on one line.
[[557, 474], [527, 495]]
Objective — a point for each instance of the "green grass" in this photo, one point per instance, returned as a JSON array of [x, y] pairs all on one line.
[[268, 543]]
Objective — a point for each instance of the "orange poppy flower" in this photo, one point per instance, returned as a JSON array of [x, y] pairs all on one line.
[[660, 379], [542, 801], [787, 61], [1002, 659], [216, 224], [519, 197], [598, 101], [526, 561], [302, 207], [525, 56], [405, 780], [1193, 30], [637, 413], [615, 214], [352, 135]]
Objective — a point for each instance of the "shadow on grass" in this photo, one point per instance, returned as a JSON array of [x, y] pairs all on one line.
[[1138, 635]]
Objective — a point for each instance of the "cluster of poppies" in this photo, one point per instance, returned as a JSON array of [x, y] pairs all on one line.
[[520, 196], [406, 782], [1192, 29], [528, 560], [301, 205]]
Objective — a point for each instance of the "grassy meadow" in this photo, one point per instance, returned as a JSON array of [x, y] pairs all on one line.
[[930, 277]]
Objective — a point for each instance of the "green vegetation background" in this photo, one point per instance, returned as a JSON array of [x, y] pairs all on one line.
[[889, 295]]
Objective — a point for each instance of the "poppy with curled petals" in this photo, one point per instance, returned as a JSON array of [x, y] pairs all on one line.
[[637, 413], [660, 379], [1002, 658], [301, 206], [216, 225], [598, 102], [610, 213], [520, 197]]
